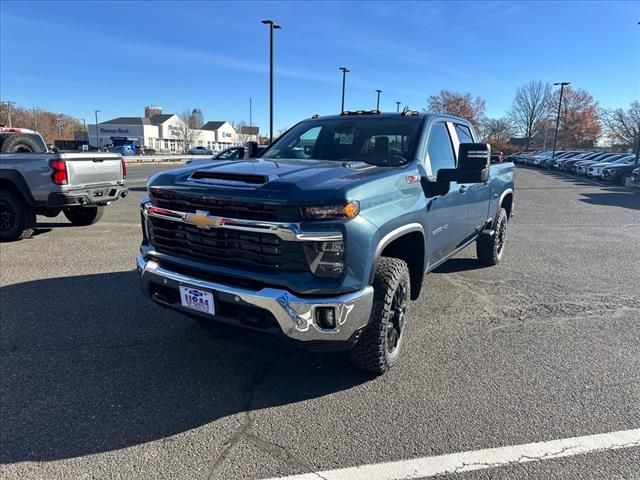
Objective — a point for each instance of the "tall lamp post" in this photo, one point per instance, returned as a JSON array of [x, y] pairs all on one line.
[[97, 137], [378, 100], [272, 26], [344, 71], [555, 137], [398, 106]]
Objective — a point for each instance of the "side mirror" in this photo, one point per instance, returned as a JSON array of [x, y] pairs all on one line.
[[251, 149], [473, 165], [434, 189]]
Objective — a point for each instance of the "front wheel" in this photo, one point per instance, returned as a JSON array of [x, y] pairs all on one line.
[[83, 216], [490, 248], [378, 347]]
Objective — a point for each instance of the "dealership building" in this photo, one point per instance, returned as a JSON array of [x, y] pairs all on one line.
[[165, 133]]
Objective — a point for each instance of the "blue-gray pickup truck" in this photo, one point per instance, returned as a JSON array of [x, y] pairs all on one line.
[[328, 234]]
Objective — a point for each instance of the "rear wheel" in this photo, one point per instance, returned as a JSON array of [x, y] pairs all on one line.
[[379, 345], [82, 216], [490, 248], [17, 219]]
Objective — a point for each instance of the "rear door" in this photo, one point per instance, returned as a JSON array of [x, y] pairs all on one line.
[[87, 169], [476, 195]]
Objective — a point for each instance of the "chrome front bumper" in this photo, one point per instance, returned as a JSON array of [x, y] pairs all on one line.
[[295, 315]]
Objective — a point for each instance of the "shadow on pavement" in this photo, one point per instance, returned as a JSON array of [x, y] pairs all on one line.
[[454, 265], [616, 197], [89, 365]]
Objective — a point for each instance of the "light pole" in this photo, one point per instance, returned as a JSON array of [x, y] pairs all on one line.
[[378, 101], [555, 137], [97, 137], [398, 106], [272, 26], [344, 71]]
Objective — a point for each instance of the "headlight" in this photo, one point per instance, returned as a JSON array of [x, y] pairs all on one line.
[[325, 259], [349, 210]]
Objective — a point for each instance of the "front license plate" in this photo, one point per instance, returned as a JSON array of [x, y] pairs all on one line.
[[197, 300]]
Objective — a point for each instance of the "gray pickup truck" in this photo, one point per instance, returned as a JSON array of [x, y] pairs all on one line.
[[36, 181]]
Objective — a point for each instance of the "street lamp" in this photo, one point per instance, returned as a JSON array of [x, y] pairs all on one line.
[[398, 106], [272, 26], [378, 101], [97, 138], [344, 71], [555, 137]]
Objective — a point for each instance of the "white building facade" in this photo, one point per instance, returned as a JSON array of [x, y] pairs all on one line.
[[164, 133]]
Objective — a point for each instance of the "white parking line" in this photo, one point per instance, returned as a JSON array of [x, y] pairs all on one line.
[[479, 459]]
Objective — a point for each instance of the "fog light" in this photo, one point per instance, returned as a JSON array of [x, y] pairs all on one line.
[[326, 318]]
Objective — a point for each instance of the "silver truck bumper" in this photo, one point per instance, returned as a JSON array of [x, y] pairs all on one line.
[[295, 316]]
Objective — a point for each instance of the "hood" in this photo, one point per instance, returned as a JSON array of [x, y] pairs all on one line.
[[281, 181]]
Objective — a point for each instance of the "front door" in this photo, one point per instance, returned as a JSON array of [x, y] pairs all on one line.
[[476, 195], [445, 213]]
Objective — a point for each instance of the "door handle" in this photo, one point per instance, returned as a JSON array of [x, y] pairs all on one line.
[[463, 188]]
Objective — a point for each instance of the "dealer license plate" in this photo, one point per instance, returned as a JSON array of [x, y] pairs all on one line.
[[197, 300]]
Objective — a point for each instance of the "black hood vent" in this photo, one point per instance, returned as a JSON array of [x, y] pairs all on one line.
[[231, 177]]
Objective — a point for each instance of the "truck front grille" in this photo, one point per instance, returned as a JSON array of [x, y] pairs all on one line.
[[224, 208], [226, 247]]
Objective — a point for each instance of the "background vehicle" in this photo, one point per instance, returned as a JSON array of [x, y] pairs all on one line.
[[595, 170], [618, 173], [34, 181], [243, 151], [635, 174], [307, 248], [200, 150], [579, 166]]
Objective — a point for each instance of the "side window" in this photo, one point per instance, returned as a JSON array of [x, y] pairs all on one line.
[[464, 134], [440, 149]]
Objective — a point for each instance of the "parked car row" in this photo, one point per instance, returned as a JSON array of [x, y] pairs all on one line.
[[615, 167]]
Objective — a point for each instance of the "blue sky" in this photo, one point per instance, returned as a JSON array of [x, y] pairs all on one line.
[[119, 56]]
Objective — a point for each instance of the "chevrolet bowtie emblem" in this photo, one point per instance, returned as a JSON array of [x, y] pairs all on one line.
[[202, 220]]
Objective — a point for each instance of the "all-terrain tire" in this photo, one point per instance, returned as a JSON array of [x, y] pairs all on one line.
[[19, 144], [83, 216], [17, 219], [380, 343], [490, 248]]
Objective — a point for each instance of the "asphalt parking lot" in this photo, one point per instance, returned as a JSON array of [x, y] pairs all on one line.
[[97, 382]]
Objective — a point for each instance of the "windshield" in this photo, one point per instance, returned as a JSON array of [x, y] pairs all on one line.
[[374, 140]]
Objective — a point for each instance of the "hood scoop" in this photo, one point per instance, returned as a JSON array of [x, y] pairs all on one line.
[[252, 179]]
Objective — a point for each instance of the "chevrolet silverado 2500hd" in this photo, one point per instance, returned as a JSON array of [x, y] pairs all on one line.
[[36, 181], [327, 235]]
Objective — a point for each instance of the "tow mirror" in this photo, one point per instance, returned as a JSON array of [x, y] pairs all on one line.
[[252, 149], [473, 165]]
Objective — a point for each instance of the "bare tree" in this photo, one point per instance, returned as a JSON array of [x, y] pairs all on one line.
[[622, 126], [186, 134], [245, 133], [460, 104], [531, 105], [496, 130]]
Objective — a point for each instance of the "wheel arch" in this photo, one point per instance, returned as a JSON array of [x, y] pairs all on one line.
[[506, 202], [406, 243], [14, 181]]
